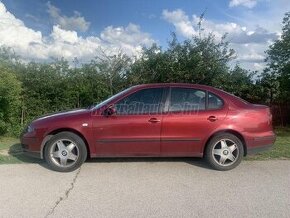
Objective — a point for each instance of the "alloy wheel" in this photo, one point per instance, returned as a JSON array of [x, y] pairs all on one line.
[[225, 152], [64, 153]]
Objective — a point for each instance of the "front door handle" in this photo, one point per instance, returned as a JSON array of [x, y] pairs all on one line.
[[212, 118], [153, 120]]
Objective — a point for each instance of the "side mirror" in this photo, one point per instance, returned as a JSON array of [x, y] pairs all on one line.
[[110, 111]]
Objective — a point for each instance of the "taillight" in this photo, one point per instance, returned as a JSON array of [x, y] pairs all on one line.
[[270, 118]]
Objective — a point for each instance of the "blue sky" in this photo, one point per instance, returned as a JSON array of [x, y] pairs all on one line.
[[40, 30], [104, 13]]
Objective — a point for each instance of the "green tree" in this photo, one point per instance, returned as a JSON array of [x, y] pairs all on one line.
[[278, 63], [10, 103], [87, 85], [45, 88], [197, 60], [240, 82], [114, 68]]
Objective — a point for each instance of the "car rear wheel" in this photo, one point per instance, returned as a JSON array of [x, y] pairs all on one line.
[[65, 152], [224, 151]]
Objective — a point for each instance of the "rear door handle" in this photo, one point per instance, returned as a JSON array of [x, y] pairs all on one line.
[[153, 120], [212, 118]]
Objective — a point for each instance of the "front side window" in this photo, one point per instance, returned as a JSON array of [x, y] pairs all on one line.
[[186, 99], [145, 101]]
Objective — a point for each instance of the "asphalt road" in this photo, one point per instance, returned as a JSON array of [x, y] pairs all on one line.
[[146, 188]]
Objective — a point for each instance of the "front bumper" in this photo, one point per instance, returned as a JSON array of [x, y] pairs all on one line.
[[31, 146], [34, 154]]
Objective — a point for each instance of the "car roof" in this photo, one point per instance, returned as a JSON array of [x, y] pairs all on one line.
[[186, 85]]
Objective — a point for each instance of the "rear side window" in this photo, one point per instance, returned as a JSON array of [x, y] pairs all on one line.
[[145, 101], [186, 99], [214, 102]]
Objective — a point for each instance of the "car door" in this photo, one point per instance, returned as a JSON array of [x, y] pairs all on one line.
[[188, 120], [134, 129]]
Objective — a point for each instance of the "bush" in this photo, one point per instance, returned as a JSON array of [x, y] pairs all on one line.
[[10, 103]]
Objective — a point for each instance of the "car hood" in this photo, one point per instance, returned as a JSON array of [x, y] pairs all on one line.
[[63, 114]]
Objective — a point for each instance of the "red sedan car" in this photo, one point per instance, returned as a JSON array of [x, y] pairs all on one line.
[[162, 120]]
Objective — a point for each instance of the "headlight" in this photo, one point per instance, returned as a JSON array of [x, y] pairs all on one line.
[[29, 129]]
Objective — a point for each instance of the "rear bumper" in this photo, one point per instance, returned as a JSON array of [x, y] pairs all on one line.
[[260, 143], [255, 150]]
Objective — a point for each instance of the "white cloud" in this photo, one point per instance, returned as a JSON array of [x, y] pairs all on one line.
[[76, 22], [251, 56], [60, 35], [259, 66], [181, 22], [258, 35], [130, 35], [10, 27], [249, 42], [32, 45], [245, 3], [237, 33]]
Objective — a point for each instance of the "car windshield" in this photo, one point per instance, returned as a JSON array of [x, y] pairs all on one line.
[[112, 97]]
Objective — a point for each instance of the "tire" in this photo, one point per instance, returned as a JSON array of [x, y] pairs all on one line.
[[65, 152], [224, 152]]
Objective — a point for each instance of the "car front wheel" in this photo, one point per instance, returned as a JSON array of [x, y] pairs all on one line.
[[65, 152], [224, 151]]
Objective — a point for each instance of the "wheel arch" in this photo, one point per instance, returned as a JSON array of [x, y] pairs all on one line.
[[56, 131], [233, 132]]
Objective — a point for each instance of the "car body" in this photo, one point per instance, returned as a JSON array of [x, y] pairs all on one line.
[[181, 121]]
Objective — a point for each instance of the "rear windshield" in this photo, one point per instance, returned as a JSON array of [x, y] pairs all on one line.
[[240, 99], [235, 97]]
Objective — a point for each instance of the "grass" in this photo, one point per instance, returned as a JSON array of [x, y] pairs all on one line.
[[281, 149], [10, 149], [10, 152], [6, 142]]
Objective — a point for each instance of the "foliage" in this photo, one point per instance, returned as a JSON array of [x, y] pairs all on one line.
[[114, 69], [198, 60], [277, 73], [10, 89], [32, 89]]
